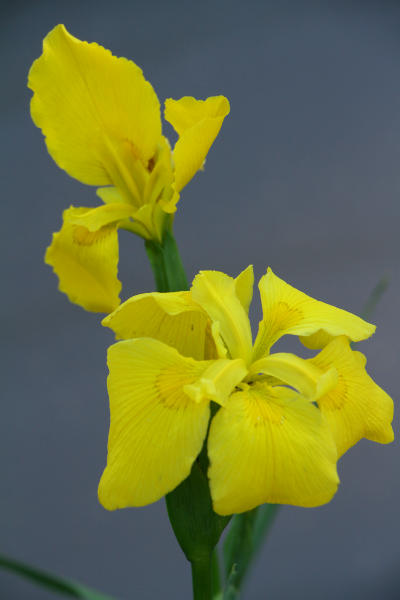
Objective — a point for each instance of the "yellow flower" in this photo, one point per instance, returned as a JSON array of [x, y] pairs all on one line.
[[102, 124], [282, 421]]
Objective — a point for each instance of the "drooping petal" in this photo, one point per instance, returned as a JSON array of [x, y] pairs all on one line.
[[270, 445], [156, 430], [289, 311], [172, 317], [86, 260], [98, 113], [356, 407], [301, 374], [216, 294], [244, 284], [198, 123]]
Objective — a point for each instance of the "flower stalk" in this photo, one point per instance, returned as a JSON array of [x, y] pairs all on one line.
[[202, 578], [196, 526], [166, 264]]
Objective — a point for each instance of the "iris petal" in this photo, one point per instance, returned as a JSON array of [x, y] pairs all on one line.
[[270, 445], [86, 260], [98, 113], [356, 407], [286, 310], [197, 123]]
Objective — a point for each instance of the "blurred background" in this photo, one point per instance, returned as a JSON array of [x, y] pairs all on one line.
[[303, 177]]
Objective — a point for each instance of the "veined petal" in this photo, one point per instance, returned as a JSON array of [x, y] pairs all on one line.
[[198, 123], [270, 445], [289, 311], [356, 407], [86, 262], [171, 317], [216, 294], [296, 372], [244, 284], [218, 381], [97, 111], [156, 429]]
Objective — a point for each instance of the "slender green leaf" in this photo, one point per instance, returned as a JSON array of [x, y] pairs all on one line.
[[55, 583], [375, 297], [230, 590], [243, 541]]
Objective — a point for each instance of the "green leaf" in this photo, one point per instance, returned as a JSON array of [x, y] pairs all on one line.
[[196, 526], [44, 579], [243, 541], [230, 591], [375, 297]]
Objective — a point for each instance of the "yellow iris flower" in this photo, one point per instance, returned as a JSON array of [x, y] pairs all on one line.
[[282, 421], [102, 124]]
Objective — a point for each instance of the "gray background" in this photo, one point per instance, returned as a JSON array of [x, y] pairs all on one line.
[[304, 177]]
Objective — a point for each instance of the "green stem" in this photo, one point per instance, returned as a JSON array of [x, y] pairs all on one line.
[[196, 526], [216, 575], [167, 265], [202, 578]]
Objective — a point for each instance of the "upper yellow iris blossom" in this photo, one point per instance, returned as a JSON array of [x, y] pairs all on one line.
[[102, 124], [282, 421]]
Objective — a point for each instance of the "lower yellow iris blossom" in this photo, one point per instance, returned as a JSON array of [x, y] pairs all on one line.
[[282, 422], [102, 124]]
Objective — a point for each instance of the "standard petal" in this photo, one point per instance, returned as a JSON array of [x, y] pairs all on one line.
[[172, 317], [198, 123], [357, 407], [216, 294], [86, 262], [301, 374], [270, 445], [244, 284], [289, 311], [156, 430], [98, 113]]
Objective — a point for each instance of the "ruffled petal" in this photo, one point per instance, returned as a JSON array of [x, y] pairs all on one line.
[[98, 113], [197, 123], [86, 260], [356, 407], [289, 311], [216, 294], [172, 317], [270, 445], [156, 429]]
